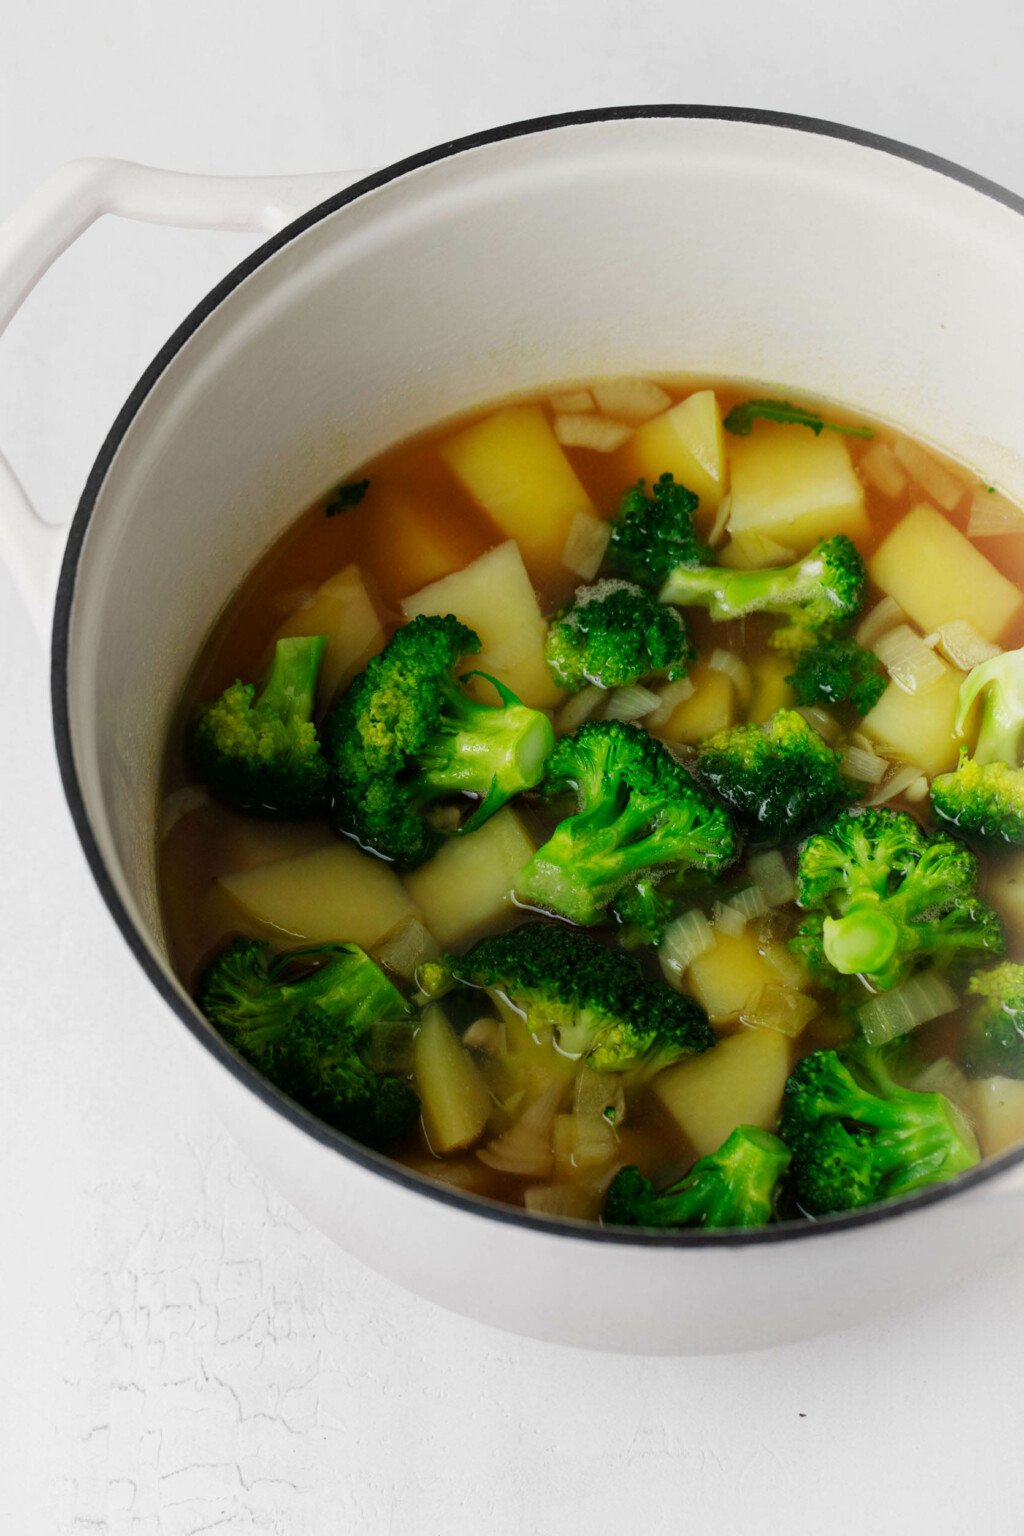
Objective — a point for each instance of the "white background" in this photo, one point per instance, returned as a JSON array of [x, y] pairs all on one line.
[[179, 1351]]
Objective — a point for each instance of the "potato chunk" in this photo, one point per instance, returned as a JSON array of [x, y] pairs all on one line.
[[710, 708], [342, 609], [998, 1105], [794, 487], [730, 976], [936, 575], [685, 441], [513, 467], [468, 884], [1003, 888], [919, 726], [494, 596], [453, 1096], [738, 1082], [335, 894]]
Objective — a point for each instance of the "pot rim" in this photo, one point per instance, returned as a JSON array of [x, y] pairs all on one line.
[[61, 636]]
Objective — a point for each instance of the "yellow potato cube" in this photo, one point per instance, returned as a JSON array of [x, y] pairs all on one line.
[[794, 487], [769, 689], [454, 1099], [343, 610], [335, 894], [730, 976], [710, 708], [412, 543], [738, 1082], [685, 441], [494, 596], [1003, 888], [919, 726], [513, 467], [998, 1106], [468, 884], [935, 574]]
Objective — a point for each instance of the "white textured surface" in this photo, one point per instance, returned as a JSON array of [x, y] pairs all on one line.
[[179, 1352]]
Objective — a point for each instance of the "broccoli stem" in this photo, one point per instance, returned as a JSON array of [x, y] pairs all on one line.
[[290, 688], [729, 594], [485, 751], [863, 941]]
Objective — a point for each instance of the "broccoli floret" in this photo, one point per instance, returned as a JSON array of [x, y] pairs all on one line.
[[405, 735], [994, 1033], [778, 779], [643, 910], [638, 811], [881, 897], [733, 1187], [984, 797], [593, 1000], [614, 634], [653, 534], [299, 1018], [857, 1136], [260, 752], [837, 672], [818, 595], [741, 418]]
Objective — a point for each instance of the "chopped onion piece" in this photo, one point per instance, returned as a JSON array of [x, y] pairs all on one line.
[[599, 1106], [911, 664], [570, 1200], [632, 400], [670, 696], [867, 767], [687, 936], [819, 720], [525, 1148], [898, 782], [484, 1035], [585, 545], [387, 1046], [933, 478], [884, 616], [916, 790], [992, 514], [781, 1009], [582, 706], [961, 644], [786, 966], [945, 1077], [729, 919], [749, 903], [770, 873], [881, 468], [182, 802], [631, 703], [578, 430], [915, 1002], [406, 947], [721, 521], [574, 401], [734, 668]]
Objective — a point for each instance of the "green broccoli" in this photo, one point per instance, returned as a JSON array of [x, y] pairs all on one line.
[[778, 779], [882, 896], [405, 735], [994, 1033], [836, 672], [643, 909], [857, 1136], [653, 534], [299, 1018], [614, 634], [741, 418], [260, 752], [594, 1001], [733, 1187], [638, 811], [984, 797], [818, 595]]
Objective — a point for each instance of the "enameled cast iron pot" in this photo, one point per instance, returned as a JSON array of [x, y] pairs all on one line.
[[639, 240]]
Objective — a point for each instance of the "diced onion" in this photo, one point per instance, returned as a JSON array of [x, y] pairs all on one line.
[[898, 782], [406, 947], [733, 667], [585, 545], [916, 790], [570, 1200], [686, 937], [945, 1077], [992, 514], [881, 468], [866, 767], [933, 478], [770, 873], [917, 1001], [819, 720], [728, 918], [581, 707], [670, 696], [911, 664], [484, 1035], [575, 429], [574, 401], [786, 966], [182, 802], [631, 703], [781, 1009], [961, 644], [599, 1106], [750, 903], [884, 616], [525, 1148], [632, 400], [387, 1046]]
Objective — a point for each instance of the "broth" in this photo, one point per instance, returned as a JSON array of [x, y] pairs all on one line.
[[418, 524]]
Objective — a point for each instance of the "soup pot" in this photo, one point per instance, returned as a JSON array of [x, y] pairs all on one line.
[[646, 240]]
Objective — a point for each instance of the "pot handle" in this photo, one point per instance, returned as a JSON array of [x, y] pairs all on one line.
[[50, 220]]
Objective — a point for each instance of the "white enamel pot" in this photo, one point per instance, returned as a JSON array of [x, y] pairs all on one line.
[[637, 240]]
